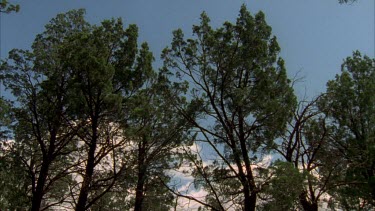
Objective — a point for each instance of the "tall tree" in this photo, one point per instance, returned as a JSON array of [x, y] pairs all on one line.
[[350, 106], [69, 90], [43, 128], [157, 133], [307, 147], [240, 86], [107, 69]]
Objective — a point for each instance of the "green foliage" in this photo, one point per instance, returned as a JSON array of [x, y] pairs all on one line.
[[107, 69], [14, 193], [64, 81], [284, 188], [6, 119], [94, 123], [156, 132], [239, 82], [40, 128], [349, 103]]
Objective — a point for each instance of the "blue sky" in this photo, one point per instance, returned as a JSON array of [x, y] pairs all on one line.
[[315, 35]]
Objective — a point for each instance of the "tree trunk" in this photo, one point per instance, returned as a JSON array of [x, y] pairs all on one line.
[[38, 194], [83, 194], [42, 177], [85, 188], [139, 192], [307, 206], [250, 200], [250, 196]]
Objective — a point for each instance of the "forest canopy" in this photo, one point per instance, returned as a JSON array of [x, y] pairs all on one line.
[[90, 124]]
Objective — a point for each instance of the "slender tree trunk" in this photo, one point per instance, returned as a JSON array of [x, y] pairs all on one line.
[[42, 177], [89, 171], [253, 202], [139, 192], [250, 200], [38, 194], [250, 196], [83, 194]]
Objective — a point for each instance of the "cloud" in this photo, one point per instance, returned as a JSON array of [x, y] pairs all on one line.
[[183, 180], [187, 204]]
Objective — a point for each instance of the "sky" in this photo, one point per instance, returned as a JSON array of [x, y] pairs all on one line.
[[314, 35]]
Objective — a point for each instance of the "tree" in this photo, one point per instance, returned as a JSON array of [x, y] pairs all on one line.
[[43, 130], [69, 92], [14, 185], [307, 146], [78, 95], [37, 129], [108, 69], [157, 133], [349, 105], [240, 87], [88, 56]]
